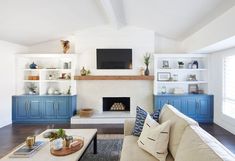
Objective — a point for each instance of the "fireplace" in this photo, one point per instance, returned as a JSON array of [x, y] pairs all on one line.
[[116, 103]]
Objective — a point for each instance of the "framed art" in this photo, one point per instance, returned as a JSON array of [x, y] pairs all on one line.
[[163, 76], [193, 88], [165, 64]]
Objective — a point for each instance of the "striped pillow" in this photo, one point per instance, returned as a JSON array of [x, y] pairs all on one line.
[[154, 138]]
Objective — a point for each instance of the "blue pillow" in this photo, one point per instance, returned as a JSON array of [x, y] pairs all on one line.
[[141, 115], [139, 121]]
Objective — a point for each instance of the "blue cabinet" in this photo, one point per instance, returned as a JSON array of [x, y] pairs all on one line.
[[38, 109], [198, 106]]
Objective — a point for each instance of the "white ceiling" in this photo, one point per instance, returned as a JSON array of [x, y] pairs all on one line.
[[30, 22]]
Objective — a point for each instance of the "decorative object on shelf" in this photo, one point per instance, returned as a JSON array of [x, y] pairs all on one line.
[[181, 64], [163, 89], [66, 46], [175, 77], [165, 64], [32, 88], [146, 62], [163, 76], [190, 65], [192, 77], [50, 91], [141, 70], [57, 92], [66, 65], [193, 88], [86, 112], [33, 66], [195, 64], [69, 91], [178, 90], [50, 77], [85, 72], [30, 77]]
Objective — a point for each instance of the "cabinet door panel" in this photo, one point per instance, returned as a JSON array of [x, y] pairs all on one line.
[[177, 103], [62, 108], [191, 107], [34, 109], [21, 108], [50, 109], [161, 102]]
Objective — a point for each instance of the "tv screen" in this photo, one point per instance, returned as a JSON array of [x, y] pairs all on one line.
[[114, 58]]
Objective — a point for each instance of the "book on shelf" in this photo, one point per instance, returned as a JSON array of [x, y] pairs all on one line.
[[26, 152]]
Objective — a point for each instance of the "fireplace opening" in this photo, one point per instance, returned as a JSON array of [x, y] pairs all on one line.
[[116, 103]]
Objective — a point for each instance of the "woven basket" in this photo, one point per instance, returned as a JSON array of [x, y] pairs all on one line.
[[86, 112]]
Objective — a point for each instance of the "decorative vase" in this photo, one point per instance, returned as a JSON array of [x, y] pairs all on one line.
[[66, 46], [33, 66], [83, 71], [57, 144], [146, 72]]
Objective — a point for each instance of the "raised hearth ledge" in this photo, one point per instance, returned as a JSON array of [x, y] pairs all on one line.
[[114, 77]]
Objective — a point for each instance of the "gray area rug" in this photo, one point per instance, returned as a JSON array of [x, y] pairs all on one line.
[[108, 150]]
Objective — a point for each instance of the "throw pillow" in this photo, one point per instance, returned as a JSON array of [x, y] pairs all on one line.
[[154, 138], [155, 115], [139, 121]]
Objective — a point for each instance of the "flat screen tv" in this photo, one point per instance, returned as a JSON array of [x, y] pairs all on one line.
[[114, 58]]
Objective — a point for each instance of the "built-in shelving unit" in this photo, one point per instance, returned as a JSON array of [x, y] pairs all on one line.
[[55, 71], [179, 76], [114, 77]]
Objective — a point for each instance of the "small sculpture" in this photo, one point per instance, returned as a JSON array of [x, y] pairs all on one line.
[[85, 72], [66, 46]]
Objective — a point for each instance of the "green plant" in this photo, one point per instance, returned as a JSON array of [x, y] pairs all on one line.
[[147, 58], [60, 133]]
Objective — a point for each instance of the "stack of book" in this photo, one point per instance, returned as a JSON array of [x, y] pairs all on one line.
[[26, 152]]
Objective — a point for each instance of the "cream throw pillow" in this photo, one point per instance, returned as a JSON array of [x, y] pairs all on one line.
[[154, 138]]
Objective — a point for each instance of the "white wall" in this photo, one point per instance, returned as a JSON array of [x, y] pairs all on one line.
[[140, 40], [7, 83], [167, 45], [216, 88]]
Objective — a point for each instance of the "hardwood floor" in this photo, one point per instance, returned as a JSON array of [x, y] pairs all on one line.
[[15, 134]]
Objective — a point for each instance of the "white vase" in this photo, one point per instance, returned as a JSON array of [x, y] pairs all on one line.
[[57, 144]]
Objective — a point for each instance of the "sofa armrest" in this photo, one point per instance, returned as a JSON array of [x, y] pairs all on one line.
[[128, 126]]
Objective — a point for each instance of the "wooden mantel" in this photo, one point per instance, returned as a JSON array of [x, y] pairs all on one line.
[[114, 77]]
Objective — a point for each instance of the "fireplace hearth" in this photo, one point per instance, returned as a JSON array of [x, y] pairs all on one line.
[[116, 104]]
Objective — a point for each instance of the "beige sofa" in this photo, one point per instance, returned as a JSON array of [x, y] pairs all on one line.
[[188, 142]]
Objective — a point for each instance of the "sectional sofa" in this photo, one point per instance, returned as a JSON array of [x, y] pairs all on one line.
[[188, 142]]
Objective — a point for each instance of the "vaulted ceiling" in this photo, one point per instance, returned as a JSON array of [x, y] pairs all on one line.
[[29, 22]]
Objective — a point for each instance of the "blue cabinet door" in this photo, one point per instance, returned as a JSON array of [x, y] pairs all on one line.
[[34, 108], [62, 108], [190, 107], [21, 108], [50, 108], [177, 103], [205, 109], [161, 102]]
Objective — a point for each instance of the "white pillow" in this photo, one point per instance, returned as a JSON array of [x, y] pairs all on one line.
[[154, 138]]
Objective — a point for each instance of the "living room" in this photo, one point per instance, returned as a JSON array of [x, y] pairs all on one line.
[[97, 77]]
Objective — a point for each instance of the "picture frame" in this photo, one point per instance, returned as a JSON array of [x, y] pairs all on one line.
[[165, 64], [163, 76], [193, 88]]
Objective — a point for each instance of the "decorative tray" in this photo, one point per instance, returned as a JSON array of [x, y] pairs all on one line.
[[66, 150]]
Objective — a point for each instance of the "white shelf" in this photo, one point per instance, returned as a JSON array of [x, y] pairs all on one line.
[[39, 70], [59, 81], [32, 81], [178, 70], [182, 82]]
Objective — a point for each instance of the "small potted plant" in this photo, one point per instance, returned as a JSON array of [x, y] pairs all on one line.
[[57, 138], [146, 62], [181, 64]]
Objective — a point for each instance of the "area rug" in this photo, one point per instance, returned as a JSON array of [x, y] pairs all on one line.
[[107, 150]]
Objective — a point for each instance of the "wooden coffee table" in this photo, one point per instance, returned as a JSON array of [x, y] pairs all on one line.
[[89, 135]]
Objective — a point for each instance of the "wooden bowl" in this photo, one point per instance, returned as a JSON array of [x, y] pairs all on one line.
[[86, 112]]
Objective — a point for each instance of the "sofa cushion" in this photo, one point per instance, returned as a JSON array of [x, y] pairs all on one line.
[[154, 138], [140, 118], [197, 145], [178, 124], [132, 152]]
